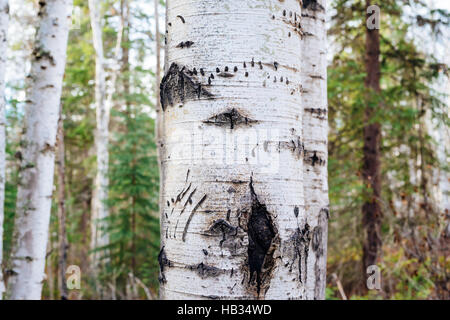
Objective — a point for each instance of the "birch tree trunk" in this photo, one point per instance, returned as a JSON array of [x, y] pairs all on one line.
[[235, 223], [315, 137], [159, 112], [104, 99], [99, 238], [38, 154], [4, 17]]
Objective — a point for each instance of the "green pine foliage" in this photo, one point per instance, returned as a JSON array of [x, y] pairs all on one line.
[[134, 224]]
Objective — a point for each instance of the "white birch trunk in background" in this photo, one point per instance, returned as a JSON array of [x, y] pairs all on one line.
[[234, 224], [99, 208], [4, 19], [38, 154], [104, 99], [159, 112], [315, 138]]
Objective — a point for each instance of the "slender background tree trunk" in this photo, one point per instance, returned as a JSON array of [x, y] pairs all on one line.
[[234, 222], [99, 238], [159, 111], [371, 209], [104, 96], [38, 154], [62, 237], [4, 18]]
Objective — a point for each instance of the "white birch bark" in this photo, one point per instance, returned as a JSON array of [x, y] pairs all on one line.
[[104, 99], [100, 193], [159, 112], [233, 224], [4, 19], [315, 137], [38, 154], [100, 211]]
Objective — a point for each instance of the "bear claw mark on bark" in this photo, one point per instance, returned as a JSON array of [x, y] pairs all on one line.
[[178, 86], [261, 232], [163, 262], [182, 193], [189, 200], [232, 117], [190, 217], [181, 18]]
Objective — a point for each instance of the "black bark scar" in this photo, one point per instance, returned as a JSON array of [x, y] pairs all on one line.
[[163, 261], [260, 235], [302, 239], [205, 271], [178, 87], [232, 117], [185, 44], [221, 226], [311, 157], [312, 5]]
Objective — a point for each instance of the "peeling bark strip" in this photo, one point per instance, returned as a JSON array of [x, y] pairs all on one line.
[[260, 235], [232, 118], [178, 87], [36, 182]]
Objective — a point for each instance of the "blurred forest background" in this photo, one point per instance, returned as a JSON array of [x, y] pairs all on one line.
[[412, 110]]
